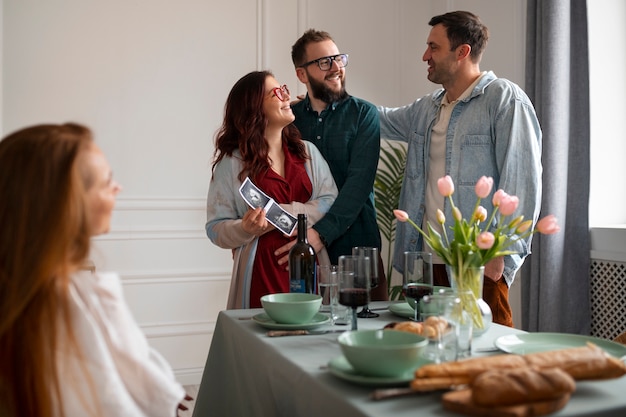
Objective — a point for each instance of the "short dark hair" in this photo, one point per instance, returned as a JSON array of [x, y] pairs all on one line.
[[464, 27], [298, 50]]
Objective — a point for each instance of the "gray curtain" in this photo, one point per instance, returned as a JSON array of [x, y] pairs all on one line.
[[555, 277]]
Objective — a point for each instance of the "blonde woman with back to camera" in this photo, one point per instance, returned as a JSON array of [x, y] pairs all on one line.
[[68, 342]]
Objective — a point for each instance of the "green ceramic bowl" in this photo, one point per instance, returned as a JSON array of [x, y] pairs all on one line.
[[291, 308], [382, 353]]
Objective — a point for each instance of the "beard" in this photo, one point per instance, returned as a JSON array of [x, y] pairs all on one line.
[[321, 92], [436, 77], [443, 72]]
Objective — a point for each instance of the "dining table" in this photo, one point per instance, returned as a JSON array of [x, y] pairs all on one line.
[[248, 373]]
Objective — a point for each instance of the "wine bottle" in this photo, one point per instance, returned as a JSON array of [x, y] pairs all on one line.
[[302, 262]]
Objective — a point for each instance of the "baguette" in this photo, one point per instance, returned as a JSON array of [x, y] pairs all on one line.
[[519, 386], [438, 383], [471, 367], [461, 402], [582, 363]]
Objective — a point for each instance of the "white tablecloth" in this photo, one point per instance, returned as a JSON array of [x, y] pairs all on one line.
[[250, 374]]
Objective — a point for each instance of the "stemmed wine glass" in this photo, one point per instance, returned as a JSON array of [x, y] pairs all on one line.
[[417, 278], [354, 283], [371, 253]]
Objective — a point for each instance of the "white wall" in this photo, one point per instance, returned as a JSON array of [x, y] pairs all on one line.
[[151, 77], [607, 65]]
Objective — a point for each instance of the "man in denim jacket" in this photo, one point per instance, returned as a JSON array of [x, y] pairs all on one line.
[[476, 125]]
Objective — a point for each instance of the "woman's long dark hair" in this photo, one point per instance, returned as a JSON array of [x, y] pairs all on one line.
[[244, 125]]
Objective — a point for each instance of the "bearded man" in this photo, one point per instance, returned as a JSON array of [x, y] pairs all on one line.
[[346, 130]]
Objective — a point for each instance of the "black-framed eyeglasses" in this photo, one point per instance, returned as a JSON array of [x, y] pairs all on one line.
[[325, 63], [282, 92]]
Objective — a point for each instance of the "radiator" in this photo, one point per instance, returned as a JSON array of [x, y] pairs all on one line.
[[608, 298], [608, 281]]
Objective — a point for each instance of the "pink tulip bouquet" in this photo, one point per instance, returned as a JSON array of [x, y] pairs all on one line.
[[472, 247]]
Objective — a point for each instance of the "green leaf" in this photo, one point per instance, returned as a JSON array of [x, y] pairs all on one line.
[[395, 292], [387, 186]]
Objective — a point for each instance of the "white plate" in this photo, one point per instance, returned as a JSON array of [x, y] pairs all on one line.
[[542, 342], [265, 321], [402, 310], [341, 368]]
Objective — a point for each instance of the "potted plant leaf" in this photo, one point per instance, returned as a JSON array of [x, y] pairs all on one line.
[[387, 186]]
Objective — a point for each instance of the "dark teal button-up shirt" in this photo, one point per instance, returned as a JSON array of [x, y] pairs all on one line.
[[347, 133]]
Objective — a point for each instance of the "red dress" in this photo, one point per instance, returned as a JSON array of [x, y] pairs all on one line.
[[267, 276]]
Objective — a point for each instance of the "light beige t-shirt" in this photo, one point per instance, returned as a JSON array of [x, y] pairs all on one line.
[[437, 163]]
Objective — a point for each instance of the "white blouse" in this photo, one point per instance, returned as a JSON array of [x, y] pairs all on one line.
[[119, 374]]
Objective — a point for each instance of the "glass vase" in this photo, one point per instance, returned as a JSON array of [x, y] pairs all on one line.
[[468, 284]]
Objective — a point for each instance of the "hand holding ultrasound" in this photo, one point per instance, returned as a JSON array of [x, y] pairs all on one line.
[[274, 213]]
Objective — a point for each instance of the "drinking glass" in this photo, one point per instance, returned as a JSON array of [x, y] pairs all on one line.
[[417, 278], [354, 283], [328, 289], [452, 309], [372, 253], [454, 338]]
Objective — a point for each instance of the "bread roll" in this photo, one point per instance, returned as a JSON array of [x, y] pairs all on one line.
[[432, 328], [407, 326], [435, 327], [519, 386]]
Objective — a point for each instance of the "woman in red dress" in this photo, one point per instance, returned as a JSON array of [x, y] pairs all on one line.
[[257, 140]]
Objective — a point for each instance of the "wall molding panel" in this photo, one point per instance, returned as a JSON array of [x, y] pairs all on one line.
[[178, 329], [178, 277], [153, 233], [162, 203], [175, 280]]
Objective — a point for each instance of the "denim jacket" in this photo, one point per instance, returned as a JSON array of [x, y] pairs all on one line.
[[493, 132]]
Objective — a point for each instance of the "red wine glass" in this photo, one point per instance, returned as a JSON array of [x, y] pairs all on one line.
[[417, 278], [371, 253], [354, 283]]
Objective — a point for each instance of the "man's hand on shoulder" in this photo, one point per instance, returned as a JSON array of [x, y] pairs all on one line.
[[283, 252], [297, 100], [495, 268]]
